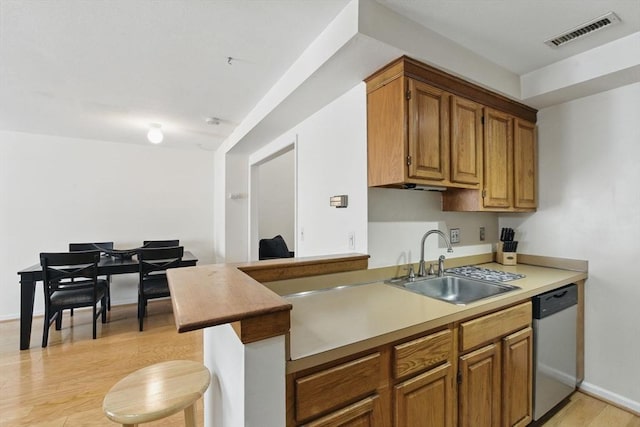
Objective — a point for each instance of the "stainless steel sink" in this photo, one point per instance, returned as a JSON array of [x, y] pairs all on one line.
[[454, 289]]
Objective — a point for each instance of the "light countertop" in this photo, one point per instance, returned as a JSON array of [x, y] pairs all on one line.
[[328, 324]]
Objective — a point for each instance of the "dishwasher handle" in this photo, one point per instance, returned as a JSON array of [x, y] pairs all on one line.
[[560, 295]]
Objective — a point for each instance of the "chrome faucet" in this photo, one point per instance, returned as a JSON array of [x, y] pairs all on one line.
[[421, 269]]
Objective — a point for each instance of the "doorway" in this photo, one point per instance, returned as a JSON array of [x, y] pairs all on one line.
[[273, 199]]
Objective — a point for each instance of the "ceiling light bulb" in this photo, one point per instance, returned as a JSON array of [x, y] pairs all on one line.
[[155, 135]]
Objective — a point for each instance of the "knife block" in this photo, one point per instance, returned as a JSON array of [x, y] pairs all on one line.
[[505, 258]]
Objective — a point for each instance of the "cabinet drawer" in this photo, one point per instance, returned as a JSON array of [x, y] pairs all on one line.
[[362, 413], [337, 386], [495, 325], [422, 353]]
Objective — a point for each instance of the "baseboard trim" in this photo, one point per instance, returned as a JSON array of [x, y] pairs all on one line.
[[611, 398]]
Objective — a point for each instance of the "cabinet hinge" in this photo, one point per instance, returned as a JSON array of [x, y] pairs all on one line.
[[408, 94], [408, 160], [459, 377]]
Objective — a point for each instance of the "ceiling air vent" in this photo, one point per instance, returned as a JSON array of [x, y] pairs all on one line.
[[592, 26]]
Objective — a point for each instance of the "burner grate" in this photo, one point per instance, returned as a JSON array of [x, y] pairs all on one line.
[[484, 274]]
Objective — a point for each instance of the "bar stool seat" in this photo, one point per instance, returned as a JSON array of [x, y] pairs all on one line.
[[156, 392]]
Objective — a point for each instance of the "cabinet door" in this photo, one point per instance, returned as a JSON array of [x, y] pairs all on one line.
[[425, 400], [479, 388], [365, 413], [498, 163], [428, 132], [524, 164], [517, 377], [387, 134], [466, 141]]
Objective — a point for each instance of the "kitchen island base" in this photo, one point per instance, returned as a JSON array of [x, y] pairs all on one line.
[[248, 380]]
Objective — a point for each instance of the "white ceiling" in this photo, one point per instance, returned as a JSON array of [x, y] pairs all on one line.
[[104, 69], [511, 33]]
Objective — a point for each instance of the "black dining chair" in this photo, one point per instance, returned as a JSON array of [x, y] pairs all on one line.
[[272, 248], [74, 247], [153, 263], [71, 281], [160, 243]]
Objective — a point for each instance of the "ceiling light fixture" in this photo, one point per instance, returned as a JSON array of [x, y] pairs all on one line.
[[212, 121], [155, 135]]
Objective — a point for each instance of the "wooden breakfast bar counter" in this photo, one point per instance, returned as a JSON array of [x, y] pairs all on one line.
[[219, 294], [245, 331]]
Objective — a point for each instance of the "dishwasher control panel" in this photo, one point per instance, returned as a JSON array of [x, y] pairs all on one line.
[[552, 302]]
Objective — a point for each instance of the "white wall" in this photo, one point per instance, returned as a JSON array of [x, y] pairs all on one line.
[[235, 203], [332, 160], [589, 209], [399, 218], [57, 190]]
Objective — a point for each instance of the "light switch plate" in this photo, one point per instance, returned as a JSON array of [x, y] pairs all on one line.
[[341, 201]]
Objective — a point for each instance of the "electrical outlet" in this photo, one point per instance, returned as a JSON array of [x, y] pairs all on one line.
[[454, 234], [482, 234]]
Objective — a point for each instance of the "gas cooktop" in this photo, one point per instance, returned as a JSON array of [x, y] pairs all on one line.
[[484, 273]]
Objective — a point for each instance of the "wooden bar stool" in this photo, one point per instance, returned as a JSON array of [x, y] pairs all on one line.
[[156, 392]]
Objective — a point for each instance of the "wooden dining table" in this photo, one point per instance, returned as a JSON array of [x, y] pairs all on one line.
[[108, 265]]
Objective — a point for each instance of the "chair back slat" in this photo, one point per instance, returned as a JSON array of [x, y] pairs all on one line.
[[84, 271], [58, 266], [159, 259]]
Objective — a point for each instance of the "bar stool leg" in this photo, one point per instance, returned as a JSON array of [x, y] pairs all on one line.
[[190, 416]]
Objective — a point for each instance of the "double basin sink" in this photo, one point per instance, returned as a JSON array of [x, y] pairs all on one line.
[[453, 289]]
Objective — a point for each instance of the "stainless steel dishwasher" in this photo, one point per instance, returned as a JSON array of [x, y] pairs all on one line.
[[555, 319]]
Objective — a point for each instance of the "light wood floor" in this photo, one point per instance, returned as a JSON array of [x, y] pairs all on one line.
[[64, 384]]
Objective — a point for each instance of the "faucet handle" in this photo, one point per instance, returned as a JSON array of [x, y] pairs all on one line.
[[431, 272], [412, 274]]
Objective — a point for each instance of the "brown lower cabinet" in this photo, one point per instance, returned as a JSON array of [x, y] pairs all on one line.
[[517, 378], [425, 400], [479, 388], [415, 383], [495, 381]]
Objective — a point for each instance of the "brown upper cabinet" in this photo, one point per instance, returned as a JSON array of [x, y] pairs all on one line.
[[427, 127]]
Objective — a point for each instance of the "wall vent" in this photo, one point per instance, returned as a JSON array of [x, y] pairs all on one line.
[[592, 26]]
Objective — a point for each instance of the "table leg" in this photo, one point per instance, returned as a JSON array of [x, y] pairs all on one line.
[[27, 294]]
